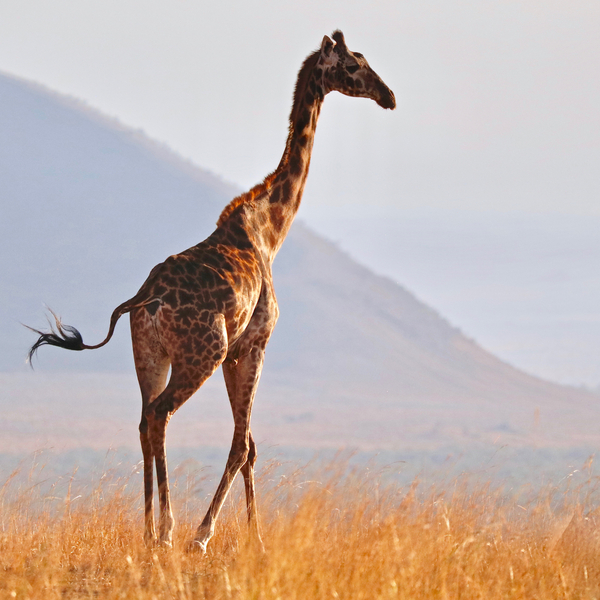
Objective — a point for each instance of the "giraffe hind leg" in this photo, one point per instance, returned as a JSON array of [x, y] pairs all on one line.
[[192, 364], [148, 455], [149, 528], [183, 383], [152, 367]]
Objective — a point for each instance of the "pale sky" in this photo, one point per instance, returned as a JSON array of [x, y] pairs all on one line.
[[498, 100], [498, 110]]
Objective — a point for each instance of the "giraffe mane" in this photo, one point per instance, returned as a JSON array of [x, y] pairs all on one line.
[[246, 197], [301, 82]]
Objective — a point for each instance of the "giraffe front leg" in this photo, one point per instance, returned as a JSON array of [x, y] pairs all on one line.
[[247, 371], [251, 508], [230, 375], [237, 457]]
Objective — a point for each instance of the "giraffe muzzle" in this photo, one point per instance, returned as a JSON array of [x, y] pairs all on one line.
[[386, 97]]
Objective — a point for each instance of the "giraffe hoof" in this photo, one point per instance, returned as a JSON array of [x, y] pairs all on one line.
[[166, 544], [196, 547]]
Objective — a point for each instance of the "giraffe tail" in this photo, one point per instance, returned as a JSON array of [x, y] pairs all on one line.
[[66, 336]]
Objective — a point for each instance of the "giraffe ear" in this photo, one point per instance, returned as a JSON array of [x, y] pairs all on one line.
[[326, 47], [340, 43]]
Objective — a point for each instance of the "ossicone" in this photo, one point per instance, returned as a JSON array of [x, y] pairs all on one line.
[[338, 38], [326, 46]]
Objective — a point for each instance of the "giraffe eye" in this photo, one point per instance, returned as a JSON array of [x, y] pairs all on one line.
[[352, 68]]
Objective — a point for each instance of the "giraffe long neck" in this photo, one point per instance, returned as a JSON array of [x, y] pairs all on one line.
[[270, 207], [290, 176]]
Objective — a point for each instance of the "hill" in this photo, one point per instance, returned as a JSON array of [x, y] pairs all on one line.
[[89, 206]]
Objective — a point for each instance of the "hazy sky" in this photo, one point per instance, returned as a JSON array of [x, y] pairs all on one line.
[[498, 100], [499, 110]]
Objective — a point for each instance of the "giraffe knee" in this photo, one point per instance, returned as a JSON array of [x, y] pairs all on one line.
[[239, 456], [242, 457], [252, 453], [164, 408], [160, 409], [143, 426]]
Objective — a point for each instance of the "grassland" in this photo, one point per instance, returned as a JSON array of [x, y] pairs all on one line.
[[335, 533]]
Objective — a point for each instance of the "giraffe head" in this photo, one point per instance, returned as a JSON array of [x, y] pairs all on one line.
[[349, 72]]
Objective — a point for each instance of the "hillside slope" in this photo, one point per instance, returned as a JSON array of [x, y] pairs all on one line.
[[88, 207]]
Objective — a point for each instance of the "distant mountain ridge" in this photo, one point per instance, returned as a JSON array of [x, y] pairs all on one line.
[[89, 207]]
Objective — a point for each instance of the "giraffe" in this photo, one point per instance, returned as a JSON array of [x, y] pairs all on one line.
[[214, 304]]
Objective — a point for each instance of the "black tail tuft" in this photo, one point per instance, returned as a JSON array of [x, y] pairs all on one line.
[[64, 336]]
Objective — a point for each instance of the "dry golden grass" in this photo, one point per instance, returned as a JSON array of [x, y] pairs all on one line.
[[343, 536]]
